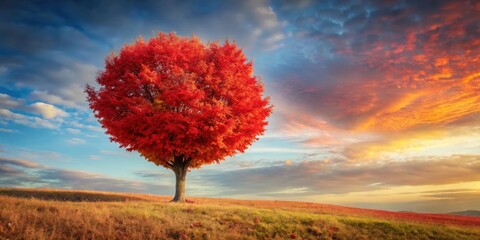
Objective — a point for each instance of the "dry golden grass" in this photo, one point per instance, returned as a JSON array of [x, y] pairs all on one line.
[[59, 214]]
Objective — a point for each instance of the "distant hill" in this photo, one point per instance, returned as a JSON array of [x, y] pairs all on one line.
[[473, 213], [68, 214]]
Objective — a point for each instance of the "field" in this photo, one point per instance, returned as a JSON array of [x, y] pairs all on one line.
[[60, 214]]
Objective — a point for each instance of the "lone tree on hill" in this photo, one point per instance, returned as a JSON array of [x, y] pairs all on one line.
[[180, 103]]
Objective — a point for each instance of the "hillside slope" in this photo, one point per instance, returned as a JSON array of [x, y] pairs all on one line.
[[473, 213], [58, 214]]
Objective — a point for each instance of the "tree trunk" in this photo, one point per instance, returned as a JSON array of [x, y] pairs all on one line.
[[180, 177]]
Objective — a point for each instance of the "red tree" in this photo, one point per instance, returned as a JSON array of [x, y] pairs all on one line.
[[180, 103]]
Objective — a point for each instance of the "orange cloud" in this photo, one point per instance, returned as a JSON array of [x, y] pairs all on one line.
[[429, 78], [427, 142], [427, 107], [400, 81]]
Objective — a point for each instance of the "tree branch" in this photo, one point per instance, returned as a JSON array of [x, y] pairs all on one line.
[[188, 161], [147, 91]]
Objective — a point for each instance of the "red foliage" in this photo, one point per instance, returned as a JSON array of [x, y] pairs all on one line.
[[176, 97]]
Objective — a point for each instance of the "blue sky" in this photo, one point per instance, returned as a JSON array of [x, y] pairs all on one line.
[[375, 104]]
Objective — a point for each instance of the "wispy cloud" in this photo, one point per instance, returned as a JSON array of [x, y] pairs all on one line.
[[19, 162], [48, 110], [8, 102], [331, 177], [76, 141], [6, 130], [387, 67], [30, 121], [18, 111], [24, 173]]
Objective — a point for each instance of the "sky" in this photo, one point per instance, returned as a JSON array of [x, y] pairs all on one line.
[[376, 103]]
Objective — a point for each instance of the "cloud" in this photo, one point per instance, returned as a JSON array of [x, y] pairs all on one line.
[[73, 130], [23, 173], [85, 126], [438, 142], [76, 141], [63, 84], [383, 68], [47, 110], [35, 155], [442, 199], [5, 130], [118, 152], [276, 150], [3, 70], [315, 132], [57, 51], [18, 162], [52, 116], [6, 101], [8, 171], [338, 177], [150, 174], [21, 119], [67, 101], [46, 54]]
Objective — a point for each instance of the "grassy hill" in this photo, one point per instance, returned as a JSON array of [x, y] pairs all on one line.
[[59, 214], [473, 213]]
